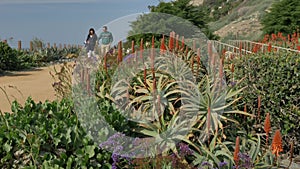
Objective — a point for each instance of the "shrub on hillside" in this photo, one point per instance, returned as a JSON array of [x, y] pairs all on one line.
[[283, 17]]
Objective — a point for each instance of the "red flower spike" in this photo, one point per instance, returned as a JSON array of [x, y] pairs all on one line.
[[236, 157], [267, 127], [177, 42], [182, 43], [153, 42], [232, 67], [162, 46], [269, 47], [120, 52], [141, 49], [171, 41], [132, 47]]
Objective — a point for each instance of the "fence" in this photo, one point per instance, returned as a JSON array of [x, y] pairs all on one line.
[[256, 46], [244, 47], [40, 45], [233, 50]]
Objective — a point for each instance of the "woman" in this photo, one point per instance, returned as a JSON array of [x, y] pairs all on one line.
[[91, 42]]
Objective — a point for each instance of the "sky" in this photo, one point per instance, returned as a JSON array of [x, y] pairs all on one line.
[[66, 21]]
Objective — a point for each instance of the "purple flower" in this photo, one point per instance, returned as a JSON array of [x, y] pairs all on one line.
[[114, 166], [206, 163], [185, 150], [174, 159], [118, 149], [222, 164], [113, 141], [115, 159], [233, 83], [245, 161]]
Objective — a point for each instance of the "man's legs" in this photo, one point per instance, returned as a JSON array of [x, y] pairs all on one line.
[[104, 49]]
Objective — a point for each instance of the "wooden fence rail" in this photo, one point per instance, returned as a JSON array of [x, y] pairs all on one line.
[[244, 47], [230, 49]]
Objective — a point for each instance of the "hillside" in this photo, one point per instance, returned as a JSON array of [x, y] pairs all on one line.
[[237, 19]]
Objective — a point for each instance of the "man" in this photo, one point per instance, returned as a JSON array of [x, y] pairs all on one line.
[[105, 40]]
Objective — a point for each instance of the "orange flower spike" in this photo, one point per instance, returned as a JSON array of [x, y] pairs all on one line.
[[267, 124], [232, 67], [171, 41], [141, 48], [198, 55], [153, 42], [182, 43], [273, 37], [236, 157], [120, 52], [152, 53], [269, 47], [267, 127], [162, 45], [277, 143], [177, 42]]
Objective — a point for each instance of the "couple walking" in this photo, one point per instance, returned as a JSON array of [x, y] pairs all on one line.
[[105, 39]]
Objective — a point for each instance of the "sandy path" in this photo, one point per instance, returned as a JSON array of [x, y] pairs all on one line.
[[20, 85]]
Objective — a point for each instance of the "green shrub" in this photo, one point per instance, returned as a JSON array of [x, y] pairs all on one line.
[[47, 135], [275, 78], [8, 57], [12, 59]]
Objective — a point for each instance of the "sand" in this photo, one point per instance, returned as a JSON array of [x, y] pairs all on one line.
[[36, 83]]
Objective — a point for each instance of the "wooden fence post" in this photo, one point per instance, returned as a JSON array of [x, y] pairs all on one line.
[[31, 46], [19, 45]]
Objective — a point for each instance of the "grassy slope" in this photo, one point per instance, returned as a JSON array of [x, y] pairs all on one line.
[[249, 10]]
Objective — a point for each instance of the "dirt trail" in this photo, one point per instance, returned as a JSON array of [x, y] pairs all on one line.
[[19, 86]]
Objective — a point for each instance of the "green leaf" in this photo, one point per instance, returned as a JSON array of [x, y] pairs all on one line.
[[90, 150], [149, 132], [7, 147]]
